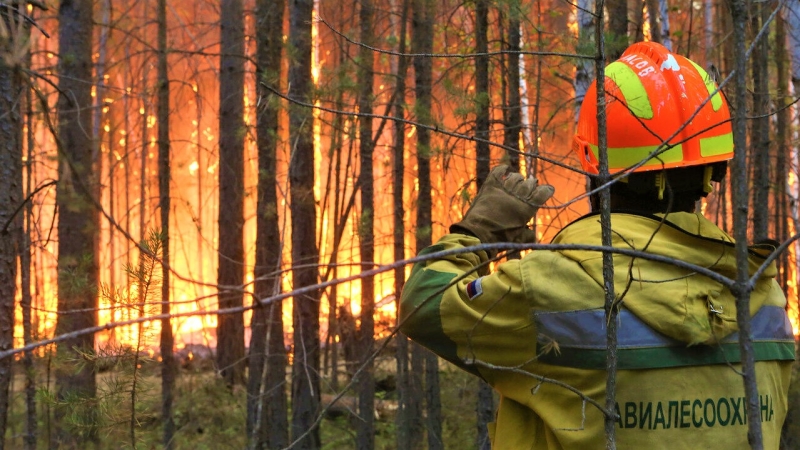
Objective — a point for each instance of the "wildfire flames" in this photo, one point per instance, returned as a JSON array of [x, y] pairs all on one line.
[[127, 170]]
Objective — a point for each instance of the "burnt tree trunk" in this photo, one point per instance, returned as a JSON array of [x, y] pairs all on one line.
[[230, 275], [305, 312], [267, 421], [78, 225]]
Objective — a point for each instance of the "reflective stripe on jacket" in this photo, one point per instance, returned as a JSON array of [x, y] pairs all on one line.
[[535, 330]]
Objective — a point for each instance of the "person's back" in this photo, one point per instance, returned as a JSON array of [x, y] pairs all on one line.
[[535, 329]]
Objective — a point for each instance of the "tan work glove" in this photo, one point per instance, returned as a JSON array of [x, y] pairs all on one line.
[[503, 208]]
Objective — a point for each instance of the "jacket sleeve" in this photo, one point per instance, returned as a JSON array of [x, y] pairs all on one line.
[[472, 318]]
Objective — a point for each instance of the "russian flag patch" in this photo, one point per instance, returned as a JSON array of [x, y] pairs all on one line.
[[475, 289]]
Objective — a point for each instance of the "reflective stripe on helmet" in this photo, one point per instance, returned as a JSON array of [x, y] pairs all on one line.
[[622, 157], [716, 100], [632, 89], [716, 145]]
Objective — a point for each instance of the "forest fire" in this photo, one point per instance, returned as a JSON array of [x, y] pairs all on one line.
[[127, 167], [172, 165]]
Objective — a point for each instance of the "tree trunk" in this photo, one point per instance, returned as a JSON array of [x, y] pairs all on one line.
[[652, 16], [513, 125], [267, 421], [484, 405], [791, 17], [617, 28], [759, 134], [584, 72], [365, 429], [168, 366], [11, 97], [782, 149], [305, 312], [708, 32], [406, 410], [422, 44], [77, 220], [663, 17], [31, 422], [637, 24], [107, 258], [482, 154], [740, 202], [791, 14], [484, 409], [230, 275]]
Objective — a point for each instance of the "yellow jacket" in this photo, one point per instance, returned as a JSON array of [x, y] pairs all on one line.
[[534, 329]]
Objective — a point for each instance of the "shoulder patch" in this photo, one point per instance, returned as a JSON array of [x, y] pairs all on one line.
[[475, 289]]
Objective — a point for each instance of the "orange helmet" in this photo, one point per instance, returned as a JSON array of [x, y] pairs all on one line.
[[650, 95]]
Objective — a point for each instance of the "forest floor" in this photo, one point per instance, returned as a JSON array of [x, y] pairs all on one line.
[[210, 416]]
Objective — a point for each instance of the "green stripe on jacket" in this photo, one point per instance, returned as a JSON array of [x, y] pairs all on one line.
[[419, 314]]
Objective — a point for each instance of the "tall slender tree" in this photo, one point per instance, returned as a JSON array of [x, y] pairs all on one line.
[[408, 407], [584, 72], [305, 256], [26, 297], [759, 127], [791, 14], [11, 99], [482, 115], [513, 116], [663, 28], [739, 187], [365, 435], [617, 28], [168, 366], [484, 406], [77, 226], [782, 148], [652, 15], [230, 275], [422, 46], [791, 18], [267, 421]]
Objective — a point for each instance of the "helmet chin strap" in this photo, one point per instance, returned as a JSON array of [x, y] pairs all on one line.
[[661, 184], [707, 176]]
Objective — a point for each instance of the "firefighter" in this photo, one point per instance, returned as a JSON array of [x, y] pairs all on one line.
[[534, 328]]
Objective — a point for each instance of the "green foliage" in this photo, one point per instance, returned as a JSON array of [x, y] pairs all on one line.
[[120, 382], [75, 280], [209, 416]]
